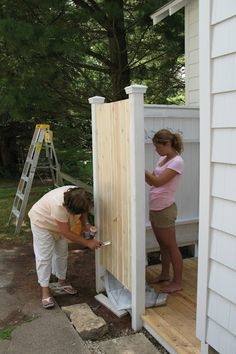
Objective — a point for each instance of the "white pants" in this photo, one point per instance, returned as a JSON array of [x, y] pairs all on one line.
[[50, 255]]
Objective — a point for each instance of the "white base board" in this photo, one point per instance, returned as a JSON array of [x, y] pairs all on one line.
[[107, 303], [159, 339]]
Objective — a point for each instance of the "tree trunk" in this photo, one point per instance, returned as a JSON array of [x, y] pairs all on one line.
[[13, 136], [120, 72], [8, 153]]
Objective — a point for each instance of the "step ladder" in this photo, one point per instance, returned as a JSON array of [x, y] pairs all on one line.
[[43, 137]]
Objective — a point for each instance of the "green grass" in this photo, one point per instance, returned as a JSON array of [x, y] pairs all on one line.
[[6, 332], [7, 195], [77, 163]]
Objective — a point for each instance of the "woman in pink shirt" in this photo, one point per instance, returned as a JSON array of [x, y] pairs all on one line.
[[163, 211]]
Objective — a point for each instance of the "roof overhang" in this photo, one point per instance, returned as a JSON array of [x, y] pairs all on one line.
[[168, 10]]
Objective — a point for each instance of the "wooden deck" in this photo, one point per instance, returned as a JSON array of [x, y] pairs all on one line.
[[173, 325]]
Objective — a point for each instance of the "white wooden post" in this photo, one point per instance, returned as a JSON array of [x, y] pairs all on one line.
[[207, 349], [205, 169], [137, 168], [94, 101]]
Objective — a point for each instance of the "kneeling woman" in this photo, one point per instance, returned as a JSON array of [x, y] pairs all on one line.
[[163, 211], [51, 218]]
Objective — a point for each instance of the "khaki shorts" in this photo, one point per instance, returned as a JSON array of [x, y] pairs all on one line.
[[164, 218]]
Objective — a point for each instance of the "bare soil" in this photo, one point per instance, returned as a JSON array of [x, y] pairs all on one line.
[[81, 274]]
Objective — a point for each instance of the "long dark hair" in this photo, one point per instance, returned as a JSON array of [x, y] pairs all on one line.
[[164, 135]]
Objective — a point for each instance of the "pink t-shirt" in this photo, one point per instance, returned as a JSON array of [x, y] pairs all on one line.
[[164, 196]]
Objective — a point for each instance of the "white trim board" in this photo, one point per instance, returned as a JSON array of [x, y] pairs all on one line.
[[185, 141], [205, 166], [167, 10], [159, 339], [137, 202], [94, 101]]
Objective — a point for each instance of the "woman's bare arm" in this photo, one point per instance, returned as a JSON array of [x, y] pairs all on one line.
[[64, 229], [158, 181]]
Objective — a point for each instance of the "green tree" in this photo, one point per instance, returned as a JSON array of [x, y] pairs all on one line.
[[57, 53]]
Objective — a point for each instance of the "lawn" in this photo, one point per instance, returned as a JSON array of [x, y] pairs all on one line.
[[7, 193]]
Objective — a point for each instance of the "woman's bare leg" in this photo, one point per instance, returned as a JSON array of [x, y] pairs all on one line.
[[45, 292], [168, 238], [165, 259]]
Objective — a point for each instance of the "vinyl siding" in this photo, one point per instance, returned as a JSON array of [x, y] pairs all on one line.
[[221, 294], [192, 53]]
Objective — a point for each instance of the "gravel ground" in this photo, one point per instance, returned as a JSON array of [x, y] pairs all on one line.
[[93, 346]]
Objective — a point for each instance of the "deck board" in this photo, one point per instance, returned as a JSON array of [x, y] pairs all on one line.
[[176, 322]]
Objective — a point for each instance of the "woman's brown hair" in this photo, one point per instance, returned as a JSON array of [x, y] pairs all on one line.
[[77, 201], [165, 135]]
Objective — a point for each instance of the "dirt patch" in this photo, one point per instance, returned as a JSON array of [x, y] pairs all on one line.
[[81, 273], [16, 318]]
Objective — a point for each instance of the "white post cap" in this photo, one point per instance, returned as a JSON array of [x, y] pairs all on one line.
[[96, 99], [135, 89]]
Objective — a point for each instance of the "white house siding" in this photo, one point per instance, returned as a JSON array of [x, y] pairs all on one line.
[[218, 117], [192, 53]]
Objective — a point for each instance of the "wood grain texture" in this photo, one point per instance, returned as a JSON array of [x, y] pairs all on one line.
[[175, 322], [113, 131]]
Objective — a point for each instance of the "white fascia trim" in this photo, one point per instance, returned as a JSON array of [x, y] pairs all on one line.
[[168, 10]]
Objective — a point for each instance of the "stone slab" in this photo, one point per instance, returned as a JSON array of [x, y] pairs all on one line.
[[132, 344], [86, 322]]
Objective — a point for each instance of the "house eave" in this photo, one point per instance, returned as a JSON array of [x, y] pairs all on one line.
[[168, 10]]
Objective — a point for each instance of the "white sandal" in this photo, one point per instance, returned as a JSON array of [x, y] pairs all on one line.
[[68, 288], [48, 302]]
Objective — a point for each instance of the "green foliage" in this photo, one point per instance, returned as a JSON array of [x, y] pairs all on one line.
[[77, 163], [55, 54], [6, 332]]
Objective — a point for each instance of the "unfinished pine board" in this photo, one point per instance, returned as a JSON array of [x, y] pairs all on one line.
[[175, 323], [113, 155]]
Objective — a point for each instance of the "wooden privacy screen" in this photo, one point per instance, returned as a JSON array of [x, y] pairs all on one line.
[[113, 187]]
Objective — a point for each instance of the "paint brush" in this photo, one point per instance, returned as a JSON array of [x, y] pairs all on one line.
[[106, 243]]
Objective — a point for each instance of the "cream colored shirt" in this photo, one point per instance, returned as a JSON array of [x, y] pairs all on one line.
[[49, 209]]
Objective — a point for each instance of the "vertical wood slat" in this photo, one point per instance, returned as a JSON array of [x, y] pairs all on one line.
[[120, 193], [113, 129]]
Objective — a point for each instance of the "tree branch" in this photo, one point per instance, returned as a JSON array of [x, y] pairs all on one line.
[[138, 44], [148, 61], [58, 16], [91, 83], [99, 57], [93, 10], [90, 66]]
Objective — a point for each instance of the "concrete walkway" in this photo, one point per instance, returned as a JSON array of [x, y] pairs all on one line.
[[48, 331], [40, 331]]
